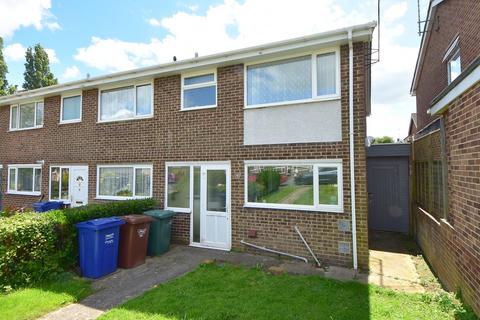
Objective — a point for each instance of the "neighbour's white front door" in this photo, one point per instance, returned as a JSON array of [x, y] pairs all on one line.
[[78, 186], [215, 206]]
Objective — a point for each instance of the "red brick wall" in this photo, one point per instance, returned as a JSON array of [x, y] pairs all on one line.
[[205, 135], [452, 17], [452, 246]]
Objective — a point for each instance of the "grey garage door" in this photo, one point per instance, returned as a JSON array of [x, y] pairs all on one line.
[[388, 187]]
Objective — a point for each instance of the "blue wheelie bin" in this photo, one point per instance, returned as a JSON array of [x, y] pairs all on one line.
[[98, 246], [47, 206]]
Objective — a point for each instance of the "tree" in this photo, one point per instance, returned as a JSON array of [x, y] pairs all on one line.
[[5, 88], [384, 139], [37, 69]]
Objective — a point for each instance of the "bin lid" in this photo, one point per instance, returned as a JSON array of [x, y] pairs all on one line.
[[160, 214], [137, 219], [101, 223]]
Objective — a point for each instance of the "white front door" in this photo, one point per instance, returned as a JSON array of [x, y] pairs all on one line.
[[215, 206], [78, 186]]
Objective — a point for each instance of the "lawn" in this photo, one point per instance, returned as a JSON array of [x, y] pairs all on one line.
[[229, 292], [30, 303]]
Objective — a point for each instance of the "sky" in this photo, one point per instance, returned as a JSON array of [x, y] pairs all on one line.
[[99, 37]]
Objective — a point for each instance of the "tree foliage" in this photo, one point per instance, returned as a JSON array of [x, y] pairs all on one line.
[[384, 139], [37, 69], [5, 88]]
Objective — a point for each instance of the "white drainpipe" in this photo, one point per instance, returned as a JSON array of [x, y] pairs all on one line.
[[352, 150]]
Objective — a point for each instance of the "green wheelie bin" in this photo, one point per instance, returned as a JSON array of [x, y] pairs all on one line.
[[160, 231]]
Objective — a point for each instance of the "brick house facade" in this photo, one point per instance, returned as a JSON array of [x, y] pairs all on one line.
[[208, 135], [448, 217]]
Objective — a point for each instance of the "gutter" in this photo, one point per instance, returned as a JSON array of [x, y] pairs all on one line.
[[352, 150]]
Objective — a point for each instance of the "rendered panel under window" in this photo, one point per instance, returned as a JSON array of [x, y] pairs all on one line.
[[71, 108], [25, 179], [116, 181], [117, 104], [200, 97], [280, 81], [178, 187], [326, 74], [27, 116], [143, 182], [281, 184], [144, 100], [328, 185], [12, 177]]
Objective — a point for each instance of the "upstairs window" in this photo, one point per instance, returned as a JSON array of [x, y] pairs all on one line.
[[24, 179], [71, 109], [454, 67], [26, 116], [126, 103], [305, 78], [199, 91]]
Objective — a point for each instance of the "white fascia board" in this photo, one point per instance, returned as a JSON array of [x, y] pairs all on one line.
[[339, 36], [460, 88]]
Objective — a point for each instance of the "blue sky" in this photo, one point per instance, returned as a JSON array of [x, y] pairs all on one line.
[[98, 37]]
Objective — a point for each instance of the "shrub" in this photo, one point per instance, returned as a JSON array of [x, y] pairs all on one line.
[[36, 246]]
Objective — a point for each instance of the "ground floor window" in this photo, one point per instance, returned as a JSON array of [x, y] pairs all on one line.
[[178, 187], [120, 182], [59, 183], [24, 179], [303, 185]]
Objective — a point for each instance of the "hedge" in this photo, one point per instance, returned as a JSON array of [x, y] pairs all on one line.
[[37, 246]]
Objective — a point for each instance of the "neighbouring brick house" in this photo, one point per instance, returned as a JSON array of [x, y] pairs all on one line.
[[243, 145], [446, 146]]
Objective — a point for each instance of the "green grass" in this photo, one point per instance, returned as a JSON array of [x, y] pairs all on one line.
[[231, 292], [30, 303]]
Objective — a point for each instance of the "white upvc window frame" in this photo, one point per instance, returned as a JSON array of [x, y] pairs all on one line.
[[134, 167], [315, 97], [27, 166], [35, 126], [455, 54], [66, 96], [125, 85], [316, 207], [452, 52], [199, 85]]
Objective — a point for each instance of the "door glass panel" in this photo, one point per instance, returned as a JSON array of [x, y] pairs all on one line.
[[196, 204], [178, 187], [216, 190], [65, 183]]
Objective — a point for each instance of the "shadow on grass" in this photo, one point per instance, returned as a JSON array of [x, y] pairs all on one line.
[[32, 302]]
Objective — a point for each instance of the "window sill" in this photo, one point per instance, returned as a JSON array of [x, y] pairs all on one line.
[[288, 103], [198, 108], [293, 207], [179, 210], [125, 120], [24, 193], [69, 122], [25, 129], [119, 198]]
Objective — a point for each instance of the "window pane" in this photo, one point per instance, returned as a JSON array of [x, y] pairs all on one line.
[[14, 117], [328, 185], [27, 116], [11, 182], [326, 67], [281, 184], [144, 100], [196, 204], [178, 187], [55, 183], [25, 179], [38, 179], [117, 104], [199, 79], [454, 67], [39, 111], [216, 190], [116, 182], [65, 183], [71, 108], [199, 97], [278, 81], [142, 182]]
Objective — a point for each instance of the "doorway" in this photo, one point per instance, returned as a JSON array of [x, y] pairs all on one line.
[[69, 184]]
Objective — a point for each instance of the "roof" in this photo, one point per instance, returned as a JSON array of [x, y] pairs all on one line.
[[432, 7], [361, 32]]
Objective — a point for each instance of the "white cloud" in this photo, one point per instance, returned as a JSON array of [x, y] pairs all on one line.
[[71, 73], [14, 52], [235, 24], [15, 14], [52, 56]]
